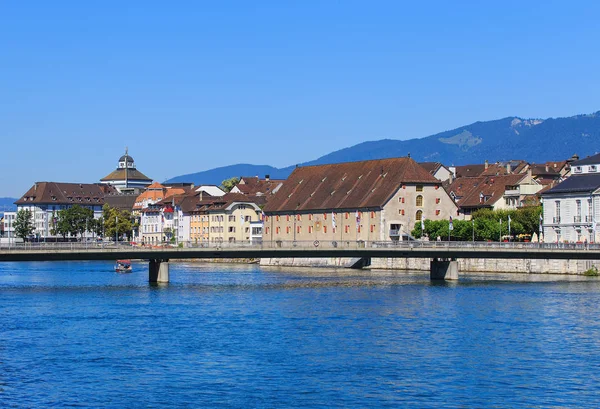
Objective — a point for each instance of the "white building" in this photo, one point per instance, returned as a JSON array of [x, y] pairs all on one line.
[[45, 199], [591, 164], [572, 209], [9, 226]]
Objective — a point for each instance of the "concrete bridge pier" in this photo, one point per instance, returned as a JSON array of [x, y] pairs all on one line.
[[442, 269], [158, 271]]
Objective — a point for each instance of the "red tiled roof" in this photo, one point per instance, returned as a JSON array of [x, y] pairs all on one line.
[[350, 185], [469, 190]]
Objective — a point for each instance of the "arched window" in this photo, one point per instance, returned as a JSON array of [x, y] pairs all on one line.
[[419, 215], [419, 201]]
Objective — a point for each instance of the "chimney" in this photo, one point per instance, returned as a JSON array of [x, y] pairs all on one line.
[[486, 164], [547, 168], [529, 173], [508, 168], [267, 177], [451, 178], [35, 187]]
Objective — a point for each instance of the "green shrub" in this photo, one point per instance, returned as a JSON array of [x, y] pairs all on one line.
[[591, 272]]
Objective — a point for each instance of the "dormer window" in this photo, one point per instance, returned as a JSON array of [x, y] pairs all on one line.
[[592, 168], [577, 169]]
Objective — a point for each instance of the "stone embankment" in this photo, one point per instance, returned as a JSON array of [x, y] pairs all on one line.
[[575, 267]]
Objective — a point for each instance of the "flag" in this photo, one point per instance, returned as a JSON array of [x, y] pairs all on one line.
[[450, 226], [509, 222], [422, 225], [262, 216], [242, 219], [357, 218], [333, 220]]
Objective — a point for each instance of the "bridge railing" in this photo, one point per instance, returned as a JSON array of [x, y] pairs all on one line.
[[290, 244]]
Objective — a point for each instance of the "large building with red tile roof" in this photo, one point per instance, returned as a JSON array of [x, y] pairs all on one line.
[[46, 199], [368, 200]]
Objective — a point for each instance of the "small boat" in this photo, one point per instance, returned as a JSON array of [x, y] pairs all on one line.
[[123, 266]]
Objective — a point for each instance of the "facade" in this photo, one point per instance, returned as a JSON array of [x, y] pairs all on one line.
[[126, 178], [377, 200], [231, 216], [572, 209], [591, 164], [45, 199], [8, 223]]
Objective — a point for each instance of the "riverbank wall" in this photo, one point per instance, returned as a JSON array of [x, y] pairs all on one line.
[[529, 266]]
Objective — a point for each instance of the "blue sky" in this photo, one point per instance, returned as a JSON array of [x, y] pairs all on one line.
[[193, 85]]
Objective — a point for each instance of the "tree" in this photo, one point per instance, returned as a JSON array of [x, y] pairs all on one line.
[[24, 224], [229, 184], [74, 221], [111, 217]]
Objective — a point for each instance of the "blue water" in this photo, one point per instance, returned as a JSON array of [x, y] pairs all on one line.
[[79, 335]]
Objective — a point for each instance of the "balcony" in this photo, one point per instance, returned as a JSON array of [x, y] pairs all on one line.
[[394, 232], [512, 192], [556, 220]]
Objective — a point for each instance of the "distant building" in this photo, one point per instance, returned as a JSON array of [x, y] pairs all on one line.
[[591, 164], [254, 186], [126, 178], [437, 170], [46, 199]]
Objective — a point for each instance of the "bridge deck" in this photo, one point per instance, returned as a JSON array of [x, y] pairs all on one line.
[[446, 250]]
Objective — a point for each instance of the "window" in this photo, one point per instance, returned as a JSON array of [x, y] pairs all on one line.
[[419, 188], [267, 230], [419, 215], [372, 215], [577, 169], [310, 217], [310, 229], [287, 230], [437, 200], [277, 218], [324, 216], [298, 229], [346, 216], [277, 230], [590, 211], [437, 212], [578, 204], [324, 229], [419, 201], [372, 228], [592, 168], [299, 217], [346, 229]]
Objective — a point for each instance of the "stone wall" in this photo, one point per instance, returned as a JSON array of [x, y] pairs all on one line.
[[471, 265]]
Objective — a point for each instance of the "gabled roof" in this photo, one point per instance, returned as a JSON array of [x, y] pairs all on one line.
[[350, 185], [122, 173], [431, 167], [66, 193], [212, 190], [482, 191], [590, 160], [256, 186], [587, 182], [469, 170]]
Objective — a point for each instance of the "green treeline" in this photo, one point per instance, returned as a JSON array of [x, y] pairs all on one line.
[[485, 225]]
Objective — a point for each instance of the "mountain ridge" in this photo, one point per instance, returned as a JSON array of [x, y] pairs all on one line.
[[535, 140]]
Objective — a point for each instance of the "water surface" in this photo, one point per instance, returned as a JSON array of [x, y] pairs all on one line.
[[77, 334]]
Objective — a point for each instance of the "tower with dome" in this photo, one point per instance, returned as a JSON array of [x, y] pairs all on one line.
[[126, 178]]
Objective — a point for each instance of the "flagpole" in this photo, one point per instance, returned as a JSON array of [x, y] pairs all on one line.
[[500, 236]]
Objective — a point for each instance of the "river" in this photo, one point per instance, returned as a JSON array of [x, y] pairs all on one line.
[[77, 334]]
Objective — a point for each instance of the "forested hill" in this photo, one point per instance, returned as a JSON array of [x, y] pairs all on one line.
[[533, 140]]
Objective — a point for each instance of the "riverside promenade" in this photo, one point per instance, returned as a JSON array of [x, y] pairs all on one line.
[[443, 255]]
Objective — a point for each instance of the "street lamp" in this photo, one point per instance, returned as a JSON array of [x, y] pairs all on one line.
[[116, 230]]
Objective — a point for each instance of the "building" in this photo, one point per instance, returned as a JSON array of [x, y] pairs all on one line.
[[254, 186], [572, 209], [437, 170], [591, 164], [355, 201], [126, 178], [45, 199], [232, 216]]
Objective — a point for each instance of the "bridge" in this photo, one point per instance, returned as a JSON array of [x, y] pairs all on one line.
[[442, 254]]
